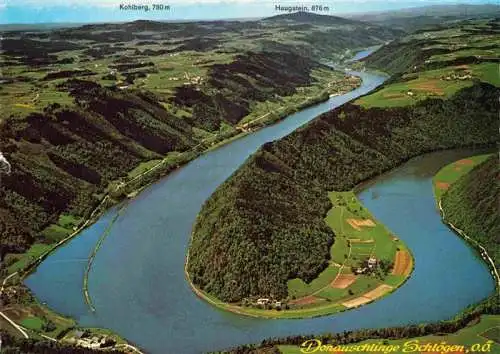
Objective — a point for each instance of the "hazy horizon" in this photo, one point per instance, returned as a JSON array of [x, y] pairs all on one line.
[[25, 12]]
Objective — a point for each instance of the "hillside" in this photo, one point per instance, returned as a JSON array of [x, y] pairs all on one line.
[[449, 44], [265, 225], [471, 204], [417, 18], [309, 17], [87, 109]]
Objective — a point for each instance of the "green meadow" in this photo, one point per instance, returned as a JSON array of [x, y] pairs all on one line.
[[352, 246], [453, 171]]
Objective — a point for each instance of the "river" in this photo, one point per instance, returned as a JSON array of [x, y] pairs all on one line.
[[137, 281]]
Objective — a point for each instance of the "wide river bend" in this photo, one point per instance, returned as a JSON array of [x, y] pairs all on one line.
[[137, 280]]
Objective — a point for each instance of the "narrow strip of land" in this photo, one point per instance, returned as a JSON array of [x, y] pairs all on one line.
[[484, 252]]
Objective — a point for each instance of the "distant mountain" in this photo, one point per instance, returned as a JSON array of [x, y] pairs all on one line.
[[157, 88], [434, 10], [309, 17], [419, 17]]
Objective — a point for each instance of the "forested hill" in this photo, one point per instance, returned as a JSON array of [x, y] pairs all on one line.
[[265, 225], [82, 107], [309, 17], [471, 204]]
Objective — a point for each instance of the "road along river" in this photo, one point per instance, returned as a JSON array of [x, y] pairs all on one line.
[[137, 281]]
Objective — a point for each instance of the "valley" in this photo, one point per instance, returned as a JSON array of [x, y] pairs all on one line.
[[245, 163], [264, 237]]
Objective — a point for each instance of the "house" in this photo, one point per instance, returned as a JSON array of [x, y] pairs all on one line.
[[372, 262], [360, 270], [263, 301]]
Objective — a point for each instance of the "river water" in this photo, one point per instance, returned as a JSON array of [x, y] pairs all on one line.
[[137, 281]]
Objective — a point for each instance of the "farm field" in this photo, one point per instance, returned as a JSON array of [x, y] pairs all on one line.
[[358, 237], [453, 59], [440, 83], [487, 330], [452, 172]]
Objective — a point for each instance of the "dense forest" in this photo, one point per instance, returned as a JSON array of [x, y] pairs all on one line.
[[100, 121], [265, 224], [471, 204], [64, 156]]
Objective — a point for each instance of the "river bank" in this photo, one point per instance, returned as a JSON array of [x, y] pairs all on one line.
[[339, 287], [332, 308], [158, 297], [151, 283], [138, 183], [442, 181], [238, 151], [466, 321], [119, 190]]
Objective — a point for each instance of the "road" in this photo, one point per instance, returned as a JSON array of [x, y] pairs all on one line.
[[15, 325], [5, 281]]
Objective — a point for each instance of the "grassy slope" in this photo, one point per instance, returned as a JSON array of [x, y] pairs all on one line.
[[471, 203], [451, 173], [439, 64], [346, 253]]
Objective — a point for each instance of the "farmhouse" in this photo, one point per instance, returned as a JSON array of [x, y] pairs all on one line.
[[263, 301], [361, 270], [372, 262]]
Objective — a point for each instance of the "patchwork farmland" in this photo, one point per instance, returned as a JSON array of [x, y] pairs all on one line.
[[367, 261]]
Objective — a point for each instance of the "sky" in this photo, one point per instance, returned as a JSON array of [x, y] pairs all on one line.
[[85, 11]]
